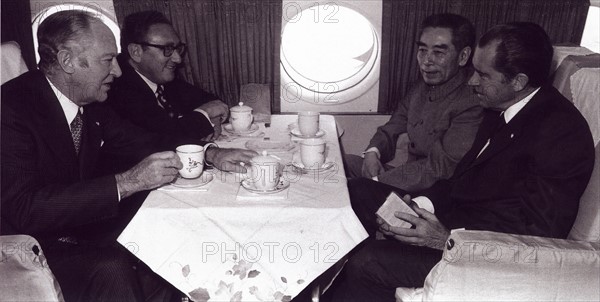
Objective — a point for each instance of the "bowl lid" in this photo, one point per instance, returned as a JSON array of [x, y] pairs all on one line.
[[240, 108], [264, 159]]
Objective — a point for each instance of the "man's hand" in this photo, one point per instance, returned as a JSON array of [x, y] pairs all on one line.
[[215, 110], [230, 159], [428, 230], [371, 166], [153, 171], [217, 129]]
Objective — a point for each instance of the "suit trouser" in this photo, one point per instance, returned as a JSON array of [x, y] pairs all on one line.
[[89, 272], [377, 267], [97, 268]]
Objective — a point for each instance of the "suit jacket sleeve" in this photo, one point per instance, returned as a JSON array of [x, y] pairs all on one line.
[[137, 103], [442, 158], [187, 98]]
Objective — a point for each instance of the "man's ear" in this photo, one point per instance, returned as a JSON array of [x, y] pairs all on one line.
[[135, 52], [464, 55], [519, 82], [66, 60]]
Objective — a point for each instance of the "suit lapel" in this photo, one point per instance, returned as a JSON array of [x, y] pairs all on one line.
[[481, 138], [131, 78], [90, 143], [499, 142], [506, 136], [52, 123]]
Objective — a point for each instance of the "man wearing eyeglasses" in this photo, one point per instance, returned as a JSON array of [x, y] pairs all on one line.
[[149, 95]]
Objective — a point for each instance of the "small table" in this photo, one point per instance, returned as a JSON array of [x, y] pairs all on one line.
[[225, 244]]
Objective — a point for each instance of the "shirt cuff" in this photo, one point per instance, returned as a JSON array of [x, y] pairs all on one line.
[[118, 192], [205, 115], [372, 149], [375, 178], [424, 203]]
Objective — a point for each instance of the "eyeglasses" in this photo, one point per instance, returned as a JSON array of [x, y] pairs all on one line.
[[168, 49]]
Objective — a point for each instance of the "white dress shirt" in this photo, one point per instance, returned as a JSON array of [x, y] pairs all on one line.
[[68, 107]]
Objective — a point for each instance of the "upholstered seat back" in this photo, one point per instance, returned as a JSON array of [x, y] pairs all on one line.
[[13, 64], [257, 96], [578, 79]]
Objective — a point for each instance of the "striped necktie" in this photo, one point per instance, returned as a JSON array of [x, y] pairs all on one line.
[[162, 101], [76, 130]]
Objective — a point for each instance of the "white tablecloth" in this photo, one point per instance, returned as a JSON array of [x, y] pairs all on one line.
[[215, 246]]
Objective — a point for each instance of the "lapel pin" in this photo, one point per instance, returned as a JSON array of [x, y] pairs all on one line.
[[512, 135], [97, 123]]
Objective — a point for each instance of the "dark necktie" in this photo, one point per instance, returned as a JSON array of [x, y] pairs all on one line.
[[76, 130], [495, 126], [498, 125], [162, 101]]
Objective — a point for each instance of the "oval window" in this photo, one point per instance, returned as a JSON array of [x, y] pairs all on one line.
[[327, 52]]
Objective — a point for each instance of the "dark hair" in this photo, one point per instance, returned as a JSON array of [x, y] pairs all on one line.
[[58, 31], [523, 47], [136, 26], [463, 32]]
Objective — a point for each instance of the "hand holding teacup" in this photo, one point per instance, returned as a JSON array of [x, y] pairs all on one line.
[[192, 158]]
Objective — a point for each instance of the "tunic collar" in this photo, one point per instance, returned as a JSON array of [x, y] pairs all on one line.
[[435, 93]]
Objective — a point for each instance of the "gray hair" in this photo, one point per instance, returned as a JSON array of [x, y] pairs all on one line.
[[60, 31]]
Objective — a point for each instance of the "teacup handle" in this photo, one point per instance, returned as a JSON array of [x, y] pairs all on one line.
[[204, 148]]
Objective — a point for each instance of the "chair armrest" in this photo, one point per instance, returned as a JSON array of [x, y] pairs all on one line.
[[489, 266], [24, 272]]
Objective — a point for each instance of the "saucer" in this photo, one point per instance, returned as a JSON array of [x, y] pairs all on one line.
[[272, 146], [296, 132], [229, 128], [204, 179], [298, 165], [282, 185]]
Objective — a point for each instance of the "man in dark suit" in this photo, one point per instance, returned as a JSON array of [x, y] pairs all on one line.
[[53, 127], [531, 161], [149, 95]]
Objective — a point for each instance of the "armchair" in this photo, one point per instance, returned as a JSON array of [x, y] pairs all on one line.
[[489, 266], [13, 63]]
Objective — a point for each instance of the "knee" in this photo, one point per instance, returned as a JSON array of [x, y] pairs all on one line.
[[353, 165], [361, 267], [115, 266]]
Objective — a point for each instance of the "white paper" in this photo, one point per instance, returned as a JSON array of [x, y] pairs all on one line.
[[394, 204]]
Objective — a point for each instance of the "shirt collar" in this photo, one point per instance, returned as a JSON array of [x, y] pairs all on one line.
[[438, 92], [68, 107], [150, 84], [516, 107]]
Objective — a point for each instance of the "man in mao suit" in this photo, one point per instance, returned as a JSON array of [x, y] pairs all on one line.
[[53, 126], [151, 51], [439, 114], [531, 161]]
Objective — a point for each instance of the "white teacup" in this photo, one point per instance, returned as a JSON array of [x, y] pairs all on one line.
[[308, 123], [312, 153], [264, 172], [241, 117], [192, 158]]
